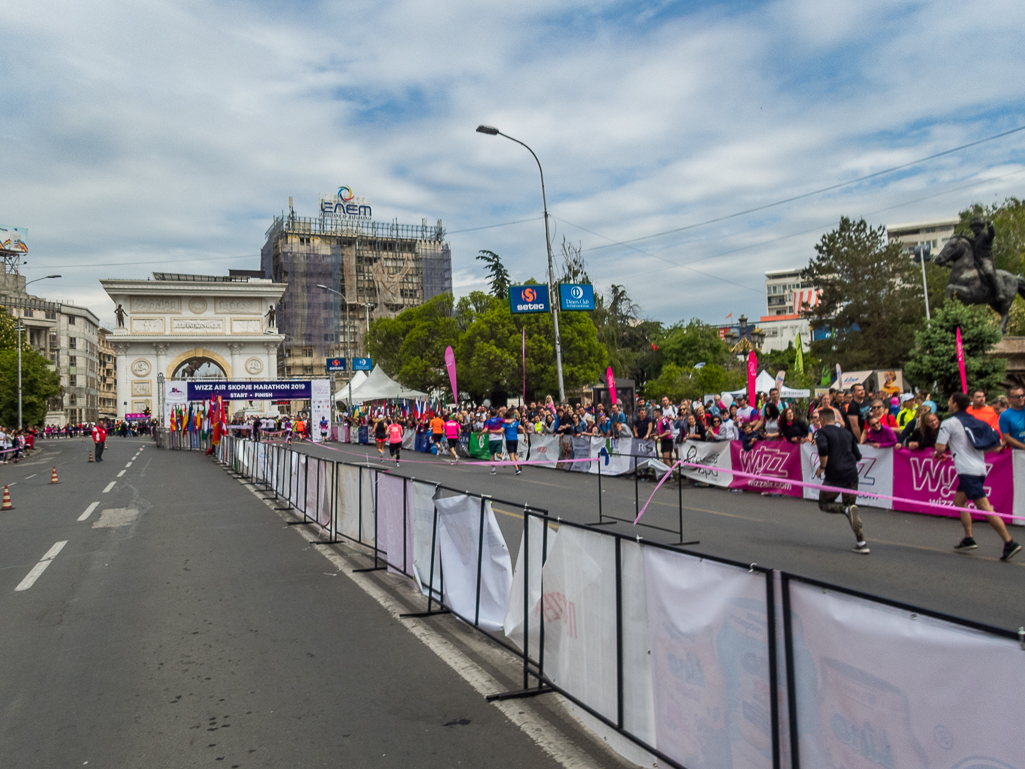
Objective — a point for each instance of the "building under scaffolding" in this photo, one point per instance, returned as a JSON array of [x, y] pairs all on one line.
[[377, 270]]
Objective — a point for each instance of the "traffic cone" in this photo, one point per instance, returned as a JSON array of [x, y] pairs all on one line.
[[91, 456], [53, 476], [7, 500]]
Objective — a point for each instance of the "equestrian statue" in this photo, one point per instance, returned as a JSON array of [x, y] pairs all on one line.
[[973, 278]]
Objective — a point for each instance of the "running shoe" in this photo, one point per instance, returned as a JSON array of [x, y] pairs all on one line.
[[965, 544], [854, 520], [520, 471], [396, 463], [494, 471], [1010, 550], [861, 547]]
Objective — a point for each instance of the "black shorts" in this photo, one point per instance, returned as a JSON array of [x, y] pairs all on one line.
[[395, 448], [667, 445], [437, 437], [972, 486], [511, 446]]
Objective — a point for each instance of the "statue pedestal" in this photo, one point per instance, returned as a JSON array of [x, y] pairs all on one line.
[[1011, 349]]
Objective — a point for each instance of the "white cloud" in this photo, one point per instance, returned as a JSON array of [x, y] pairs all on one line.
[[173, 132]]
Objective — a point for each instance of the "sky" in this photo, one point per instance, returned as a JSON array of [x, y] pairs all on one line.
[[164, 136]]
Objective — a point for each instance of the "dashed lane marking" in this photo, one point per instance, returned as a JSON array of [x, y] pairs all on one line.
[[109, 486], [88, 511], [40, 567], [129, 464], [121, 473], [27, 477]]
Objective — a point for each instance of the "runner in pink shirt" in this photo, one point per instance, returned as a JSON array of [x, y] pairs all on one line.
[[452, 436], [395, 440]]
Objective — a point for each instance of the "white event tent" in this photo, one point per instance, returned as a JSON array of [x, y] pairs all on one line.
[[765, 382], [358, 378], [379, 386]]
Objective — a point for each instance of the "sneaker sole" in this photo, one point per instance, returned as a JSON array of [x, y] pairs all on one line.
[[1010, 555], [860, 551], [965, 549]]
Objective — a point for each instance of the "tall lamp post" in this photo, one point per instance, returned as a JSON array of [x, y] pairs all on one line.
[[923, 254], [21, 327], [346, 302], [492, 131]]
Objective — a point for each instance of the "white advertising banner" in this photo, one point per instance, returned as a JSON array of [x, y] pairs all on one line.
[[716, 460], [394, 523], [544, 449], [579, 610], [409, 439], [709, 658], [878, 686], [174, 395], [537, 548], [875, 474], [320, 406], [424, 535], [459, 531]]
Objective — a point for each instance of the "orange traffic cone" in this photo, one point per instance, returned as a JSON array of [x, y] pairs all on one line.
[[7, 500], [91, 456], [53, 476]]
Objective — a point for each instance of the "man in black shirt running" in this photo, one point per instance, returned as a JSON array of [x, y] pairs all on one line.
[[838, 457]]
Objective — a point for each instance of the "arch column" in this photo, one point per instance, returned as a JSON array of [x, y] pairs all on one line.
[[122, 388], [161, 351], [272, 361], [237, 371]]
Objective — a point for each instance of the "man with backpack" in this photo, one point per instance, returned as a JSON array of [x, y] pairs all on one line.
[[969, 439]]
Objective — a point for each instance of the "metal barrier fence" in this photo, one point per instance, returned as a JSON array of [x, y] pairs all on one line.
[[697, 660], [179, 441]]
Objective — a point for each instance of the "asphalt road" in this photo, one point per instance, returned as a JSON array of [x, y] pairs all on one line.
[[912, 559], [182, 623]]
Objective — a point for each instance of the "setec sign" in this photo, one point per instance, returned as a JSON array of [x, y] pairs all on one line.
[[336, 364], [574, 296], [528, 299], [345, 205]]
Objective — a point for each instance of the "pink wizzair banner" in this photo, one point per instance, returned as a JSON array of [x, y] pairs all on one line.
[[771, 460], [916, 475]]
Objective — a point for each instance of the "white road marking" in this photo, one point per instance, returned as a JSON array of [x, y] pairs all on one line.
[[129, 464], [109, 486], [40, 567], [31, 476], [121, 473], [88, 511]]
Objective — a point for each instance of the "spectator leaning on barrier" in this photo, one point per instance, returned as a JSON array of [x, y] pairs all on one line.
[[925, 431], [1012, 421], [877, 434], [970, 463], [838, 459], [907, 410], [792, 429], [980, 410]]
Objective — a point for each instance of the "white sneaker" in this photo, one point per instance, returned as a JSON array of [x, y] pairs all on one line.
[[493, 471]]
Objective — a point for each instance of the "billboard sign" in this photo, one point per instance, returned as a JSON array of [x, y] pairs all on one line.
[[14, 239], [345, 205], [362, 364], [336, 364], [249, 391], [576, 297], [528, 299]]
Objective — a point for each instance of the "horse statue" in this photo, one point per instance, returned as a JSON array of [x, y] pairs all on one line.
[[968, 287]]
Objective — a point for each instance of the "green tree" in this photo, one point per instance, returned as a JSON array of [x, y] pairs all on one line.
[[693, 343], [38, 382], [411, 346], [934, 357], [871, 297], [786, 360], [678, 382], [500, 281]]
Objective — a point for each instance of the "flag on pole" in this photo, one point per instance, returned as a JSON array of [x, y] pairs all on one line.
[[960, 362], [799, 359]]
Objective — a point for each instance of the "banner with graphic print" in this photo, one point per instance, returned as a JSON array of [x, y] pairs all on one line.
[[716, 458], [875, 473], [916, 475], [773, 459]]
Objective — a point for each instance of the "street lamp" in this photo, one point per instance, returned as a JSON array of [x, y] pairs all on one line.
[[923, 254], [21, 327], [347, 349], [492, 131]]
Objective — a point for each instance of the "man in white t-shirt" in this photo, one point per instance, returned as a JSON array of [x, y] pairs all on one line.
[[970, 463]]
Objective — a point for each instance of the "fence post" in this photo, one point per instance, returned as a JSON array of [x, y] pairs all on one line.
[[526, 598], [770, 616], [405, 513], [480, 560], [788, 643], [619, 632], [637, 498]]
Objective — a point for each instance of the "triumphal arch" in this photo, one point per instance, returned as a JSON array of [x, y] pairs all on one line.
[[188, 327]]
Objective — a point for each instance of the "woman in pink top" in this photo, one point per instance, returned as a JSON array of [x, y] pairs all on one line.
[[452, 436], [395, 440]]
